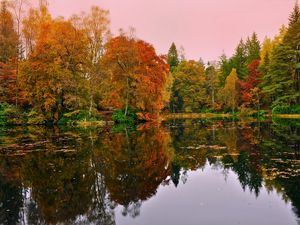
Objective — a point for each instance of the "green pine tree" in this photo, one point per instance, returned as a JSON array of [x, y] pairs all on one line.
[[239, 60], [295, 15], [173, 60], [252, 48]]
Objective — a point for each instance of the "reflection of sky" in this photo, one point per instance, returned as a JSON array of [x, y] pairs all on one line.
[[204, 27], [210, 199]]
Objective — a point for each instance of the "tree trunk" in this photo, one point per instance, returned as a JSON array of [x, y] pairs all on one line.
[[127, 96]]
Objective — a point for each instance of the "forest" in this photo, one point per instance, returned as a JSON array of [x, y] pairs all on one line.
[[58, 70]]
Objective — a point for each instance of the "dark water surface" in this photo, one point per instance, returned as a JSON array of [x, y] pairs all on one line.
[[187, 172]]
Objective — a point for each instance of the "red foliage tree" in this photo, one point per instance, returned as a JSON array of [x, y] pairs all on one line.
[[252, 81]]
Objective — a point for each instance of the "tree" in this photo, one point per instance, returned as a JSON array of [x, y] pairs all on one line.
[[212, 82], [54, 74], [295, 15], [188, 93], [18, 7], [96, 28], [134, 75], [252, 48], [225, 69], [32, 26], [266, 49], [252, 81], [239, 60], [8, 35], [8, 55], [229, 94], [173, 57], [282, 82]]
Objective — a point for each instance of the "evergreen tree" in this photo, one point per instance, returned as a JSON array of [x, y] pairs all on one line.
[[295, 15], [225, 69], [277, 82], [173, 60], [252, 48], [239, 60]]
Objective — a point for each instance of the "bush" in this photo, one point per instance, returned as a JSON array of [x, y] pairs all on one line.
[[286, 109], [246, 111], [260, 113], [76, 116], [119, 116], [35, 118], [10, 115]]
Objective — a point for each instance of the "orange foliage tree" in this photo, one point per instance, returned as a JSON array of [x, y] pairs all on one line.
[[53, 76], [134, 75]]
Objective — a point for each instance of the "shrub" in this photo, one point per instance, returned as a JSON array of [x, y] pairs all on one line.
[[260, 113], [286, 109], [10, 115], [76, 116], [119, 116], [35, 118]]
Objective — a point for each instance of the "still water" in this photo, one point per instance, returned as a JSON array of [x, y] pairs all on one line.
[[183, 172]]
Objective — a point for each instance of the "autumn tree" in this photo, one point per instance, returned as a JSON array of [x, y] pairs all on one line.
[[230, 93], [8, 55], [188, 93], [134, 75], [173, 57], [252, 81], [95, 25], [54, 75], [32, 26], [8, 35]]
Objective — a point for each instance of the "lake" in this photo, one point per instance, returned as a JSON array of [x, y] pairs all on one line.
[[181, 172]]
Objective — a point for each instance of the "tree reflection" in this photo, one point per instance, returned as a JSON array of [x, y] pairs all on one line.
[[134, 165], [52, 176]]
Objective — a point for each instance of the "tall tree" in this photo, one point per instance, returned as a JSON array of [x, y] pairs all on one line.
[[96, 27], [8, 35], [252, 48], [135, 75], [18, 8], [229, 94], [32, 26], [239, 60], [173, 57], [282, 82], [54, 74], [188, 93], [212, 81], [225, 69], [8, 55], [253, 79], [295, 15]]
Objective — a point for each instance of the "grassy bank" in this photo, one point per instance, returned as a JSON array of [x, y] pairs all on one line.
[[194, 116], [287, 116]]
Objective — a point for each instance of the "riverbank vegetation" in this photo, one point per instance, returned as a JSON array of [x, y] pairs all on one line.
[[61, 71]]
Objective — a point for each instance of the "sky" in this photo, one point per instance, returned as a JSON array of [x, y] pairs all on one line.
[[205, 28]]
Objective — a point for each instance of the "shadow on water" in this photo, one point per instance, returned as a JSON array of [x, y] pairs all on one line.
[[80, 176]]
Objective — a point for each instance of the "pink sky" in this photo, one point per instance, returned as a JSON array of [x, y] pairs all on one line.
[[205, 28]]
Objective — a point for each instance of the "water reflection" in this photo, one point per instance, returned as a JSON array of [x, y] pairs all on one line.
[[68, 176]]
